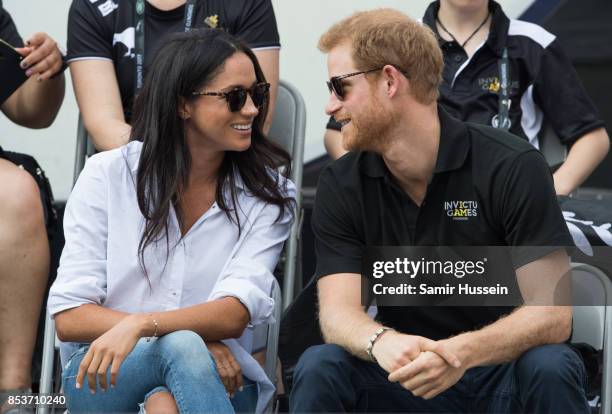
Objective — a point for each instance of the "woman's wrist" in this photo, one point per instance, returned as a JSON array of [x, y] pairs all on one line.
[[143, 324]]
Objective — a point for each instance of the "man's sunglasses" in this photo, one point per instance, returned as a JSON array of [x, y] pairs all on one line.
[[336, 85], [236, 98]]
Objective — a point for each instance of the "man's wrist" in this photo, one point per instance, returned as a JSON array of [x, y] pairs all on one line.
[[462, 346], [373, 340]]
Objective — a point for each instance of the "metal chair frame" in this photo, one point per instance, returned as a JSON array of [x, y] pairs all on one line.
[[593, 323]]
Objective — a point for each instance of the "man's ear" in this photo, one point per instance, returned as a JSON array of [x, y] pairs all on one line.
[[184, 111], [395, 81]]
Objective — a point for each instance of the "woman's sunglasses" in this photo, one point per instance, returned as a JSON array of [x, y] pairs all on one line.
[[236, 98], [336, 84]]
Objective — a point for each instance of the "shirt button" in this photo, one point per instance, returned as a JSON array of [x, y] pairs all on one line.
[[173, 293], [458, 58]]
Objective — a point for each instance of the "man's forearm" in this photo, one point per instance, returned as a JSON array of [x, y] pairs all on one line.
[[349, 328], [509, 337], [584, 156]]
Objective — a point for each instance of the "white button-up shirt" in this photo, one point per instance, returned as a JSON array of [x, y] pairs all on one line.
[[100, 262]]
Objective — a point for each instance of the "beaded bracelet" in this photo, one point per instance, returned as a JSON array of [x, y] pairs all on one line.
[[156, 324]]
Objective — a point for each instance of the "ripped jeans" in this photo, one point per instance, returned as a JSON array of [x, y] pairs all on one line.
[[178, 362]]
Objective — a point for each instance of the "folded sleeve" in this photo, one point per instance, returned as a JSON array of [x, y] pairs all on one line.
[[81, 277], [248, 275]]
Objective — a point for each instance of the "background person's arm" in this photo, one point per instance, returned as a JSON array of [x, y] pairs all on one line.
[[582, 159], [269, 61], [36, 103], [333, 144], [567, 107], [97, 92]]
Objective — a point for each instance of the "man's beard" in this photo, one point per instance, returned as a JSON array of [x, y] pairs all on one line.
[[370, 130]]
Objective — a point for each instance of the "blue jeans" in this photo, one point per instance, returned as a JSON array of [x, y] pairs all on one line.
[[178, 362], [545, 379]]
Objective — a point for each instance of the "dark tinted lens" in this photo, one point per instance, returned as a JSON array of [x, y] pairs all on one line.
[[338, 87], [236, 99], [259, 94]]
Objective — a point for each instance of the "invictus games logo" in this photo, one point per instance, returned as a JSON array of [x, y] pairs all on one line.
[[461, 209], [212, 21], [490, 84], [493, 84]]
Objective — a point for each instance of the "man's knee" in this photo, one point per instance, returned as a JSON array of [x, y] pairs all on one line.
[[551, 365], [321, 361]]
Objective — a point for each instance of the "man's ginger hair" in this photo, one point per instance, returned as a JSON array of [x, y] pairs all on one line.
[[388, 37]]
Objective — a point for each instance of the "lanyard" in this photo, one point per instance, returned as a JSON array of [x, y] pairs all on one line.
[[503, 121], [139, 41]]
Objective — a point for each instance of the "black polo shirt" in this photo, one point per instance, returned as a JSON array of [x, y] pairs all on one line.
[[359, 204], [544, 87]]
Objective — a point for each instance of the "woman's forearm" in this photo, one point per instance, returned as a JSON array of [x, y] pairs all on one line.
[[85, 323], [219, 319]]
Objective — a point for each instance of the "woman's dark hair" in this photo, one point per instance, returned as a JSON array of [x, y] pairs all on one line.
[[184, 63]]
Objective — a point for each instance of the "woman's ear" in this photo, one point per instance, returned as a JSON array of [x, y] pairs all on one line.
[[184, 111]]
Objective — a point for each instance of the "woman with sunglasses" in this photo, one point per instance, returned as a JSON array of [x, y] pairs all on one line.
[[171, 241]]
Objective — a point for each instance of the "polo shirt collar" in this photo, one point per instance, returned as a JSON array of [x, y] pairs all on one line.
[[454, 143], [452, 151], [498, 33], [372, 165]]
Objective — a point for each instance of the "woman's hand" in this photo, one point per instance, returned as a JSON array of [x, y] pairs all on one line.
[[42, 57], [228, 368], [111, 349]]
